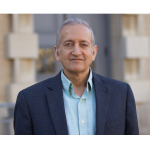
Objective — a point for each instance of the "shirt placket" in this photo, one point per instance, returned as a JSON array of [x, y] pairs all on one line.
[[82, 116]]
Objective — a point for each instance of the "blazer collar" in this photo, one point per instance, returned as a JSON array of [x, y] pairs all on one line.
[[101, 94], [56, 103]]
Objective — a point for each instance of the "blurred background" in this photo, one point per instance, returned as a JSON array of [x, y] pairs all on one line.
[[27, 57]]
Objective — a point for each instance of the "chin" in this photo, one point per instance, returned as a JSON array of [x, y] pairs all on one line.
[[77, 69]]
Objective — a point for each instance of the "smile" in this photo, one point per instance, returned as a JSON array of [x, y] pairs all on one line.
[[77, 59]]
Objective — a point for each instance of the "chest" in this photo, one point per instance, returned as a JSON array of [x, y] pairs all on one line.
[[80, 113]]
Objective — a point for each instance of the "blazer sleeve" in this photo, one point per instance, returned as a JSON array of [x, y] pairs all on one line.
[[131, 127], [22, 119]]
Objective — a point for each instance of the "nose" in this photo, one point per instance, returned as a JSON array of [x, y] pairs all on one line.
[[76, 50]]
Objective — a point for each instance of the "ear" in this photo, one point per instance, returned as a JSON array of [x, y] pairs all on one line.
[[94, 52], [57, 54]]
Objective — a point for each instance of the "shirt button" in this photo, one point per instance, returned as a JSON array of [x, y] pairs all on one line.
[[82, 121]]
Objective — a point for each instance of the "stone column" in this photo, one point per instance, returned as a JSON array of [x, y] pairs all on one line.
[[130, 49], [22, 49], [130, 52], [5, 68]]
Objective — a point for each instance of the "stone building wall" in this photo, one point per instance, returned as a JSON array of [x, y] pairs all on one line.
[[143, 109], [130, 48], [17, 61], [146, 31], [5, 64], [5, 68]]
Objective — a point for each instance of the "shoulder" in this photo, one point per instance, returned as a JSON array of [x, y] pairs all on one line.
[[37, 88], [111, 83], [40, 88]]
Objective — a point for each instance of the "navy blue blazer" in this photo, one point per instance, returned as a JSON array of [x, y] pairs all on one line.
[[40, 108]]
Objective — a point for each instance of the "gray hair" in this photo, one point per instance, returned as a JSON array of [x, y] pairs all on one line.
[[73, 21]]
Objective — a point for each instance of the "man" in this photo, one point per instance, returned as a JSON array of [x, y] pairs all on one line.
[[77, 100]]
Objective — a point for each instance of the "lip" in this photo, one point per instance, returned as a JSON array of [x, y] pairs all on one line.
[[76, 59]]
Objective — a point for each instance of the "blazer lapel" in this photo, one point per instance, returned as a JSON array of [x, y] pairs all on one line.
[[101, 93], [56, 105]]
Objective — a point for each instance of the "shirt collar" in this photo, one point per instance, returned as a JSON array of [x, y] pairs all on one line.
[[68, 87]]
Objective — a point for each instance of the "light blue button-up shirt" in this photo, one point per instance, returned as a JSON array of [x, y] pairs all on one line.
[[80, 111]]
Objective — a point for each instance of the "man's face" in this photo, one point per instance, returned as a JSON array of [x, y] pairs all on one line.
[[75, 48]]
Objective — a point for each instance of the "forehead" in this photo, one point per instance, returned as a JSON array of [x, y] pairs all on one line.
[[75, 32]]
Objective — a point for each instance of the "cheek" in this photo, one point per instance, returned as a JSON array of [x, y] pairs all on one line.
[[87, 55], [64, 56]]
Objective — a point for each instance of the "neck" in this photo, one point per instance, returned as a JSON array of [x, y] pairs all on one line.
[[78, 80]]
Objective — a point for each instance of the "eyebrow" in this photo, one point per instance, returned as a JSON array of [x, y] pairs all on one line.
[[67, 41], [73, 41], [84, 41]]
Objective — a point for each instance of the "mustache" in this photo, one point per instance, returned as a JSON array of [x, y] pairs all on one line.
[[76, 58]]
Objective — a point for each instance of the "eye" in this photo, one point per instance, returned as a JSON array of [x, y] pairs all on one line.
[[84, 45], [68, 44]]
